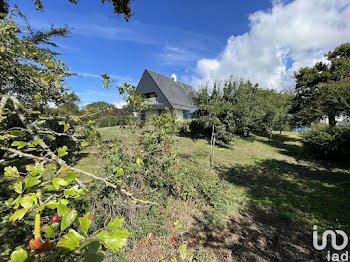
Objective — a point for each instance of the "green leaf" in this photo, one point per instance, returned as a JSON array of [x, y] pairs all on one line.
[[2, 137], [62, 209], [58, 181], [62, 169], [31, 181], [11, 171], [173, 259], [139, 161], [52, 204], [49, 232], [183, 252], [71, 240], [70, 176], [114, 240], [119, 172], [51, 137], [19, 255], [36, 142], [50, 187], [40, 122], [68, 219], [73, 192], [75, 118], [66, 127], [35, 170], [19, 144], [19, 214], [85, 223], [28, 201], [115, 224], [18, 187], [84, 143], [62, 151], [17, 133]]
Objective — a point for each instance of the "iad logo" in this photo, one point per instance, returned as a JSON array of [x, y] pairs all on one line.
[[333, 234]]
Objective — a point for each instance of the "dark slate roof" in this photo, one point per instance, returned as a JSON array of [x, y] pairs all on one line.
[[177, 93]]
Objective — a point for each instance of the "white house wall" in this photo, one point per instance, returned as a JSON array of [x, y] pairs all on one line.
[[179, 114]]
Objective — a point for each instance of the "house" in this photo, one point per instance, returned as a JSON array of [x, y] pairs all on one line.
[[163, 92], [341, 120]]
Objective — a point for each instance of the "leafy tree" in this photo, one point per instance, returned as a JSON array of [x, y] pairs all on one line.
[[273, 109], [98, 107], [29, 69], [119, 6], [244, 104], [323, 90], [239, 108]]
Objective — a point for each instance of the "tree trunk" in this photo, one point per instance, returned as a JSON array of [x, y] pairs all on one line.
[[280, 128], [212, 144], [331, 120]]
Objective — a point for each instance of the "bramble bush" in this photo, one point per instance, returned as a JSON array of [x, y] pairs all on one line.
[[49, 187], [326, 142], [43, 214]]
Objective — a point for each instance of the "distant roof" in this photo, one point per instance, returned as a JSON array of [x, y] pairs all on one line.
[[177, 93]]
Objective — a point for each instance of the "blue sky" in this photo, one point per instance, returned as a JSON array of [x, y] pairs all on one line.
[[199, 40]]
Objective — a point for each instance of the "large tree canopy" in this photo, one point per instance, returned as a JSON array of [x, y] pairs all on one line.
[[323, 90], [29, 69], [119, 6], [239, 108]]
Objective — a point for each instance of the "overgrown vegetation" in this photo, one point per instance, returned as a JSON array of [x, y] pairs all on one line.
[[325, 142], [74, 193]]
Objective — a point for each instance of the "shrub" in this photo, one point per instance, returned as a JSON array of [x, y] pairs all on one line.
[[107, 121], [200, 127], [185, 128], [324, 142]]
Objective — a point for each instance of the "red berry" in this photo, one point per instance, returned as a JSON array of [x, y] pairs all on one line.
[[54, 218], [193, 244], [172, 239]]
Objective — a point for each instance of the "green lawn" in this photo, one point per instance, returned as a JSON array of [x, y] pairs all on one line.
[[272, 197], [270, 175], [265, 198]]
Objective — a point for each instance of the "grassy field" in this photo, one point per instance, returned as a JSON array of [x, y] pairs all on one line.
[[273, 196]]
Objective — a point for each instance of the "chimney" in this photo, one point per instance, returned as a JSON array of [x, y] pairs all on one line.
[[174, 77]]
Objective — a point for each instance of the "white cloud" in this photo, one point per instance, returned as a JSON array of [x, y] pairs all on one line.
[[120, 104], [280, 41]]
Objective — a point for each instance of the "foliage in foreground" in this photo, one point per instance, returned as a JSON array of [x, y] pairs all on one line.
[[45, 185]]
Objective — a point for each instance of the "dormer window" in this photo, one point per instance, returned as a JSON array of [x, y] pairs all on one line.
[[150, 95]]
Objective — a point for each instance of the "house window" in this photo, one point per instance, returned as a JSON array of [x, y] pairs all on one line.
[[187, 115], [150, 95]]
